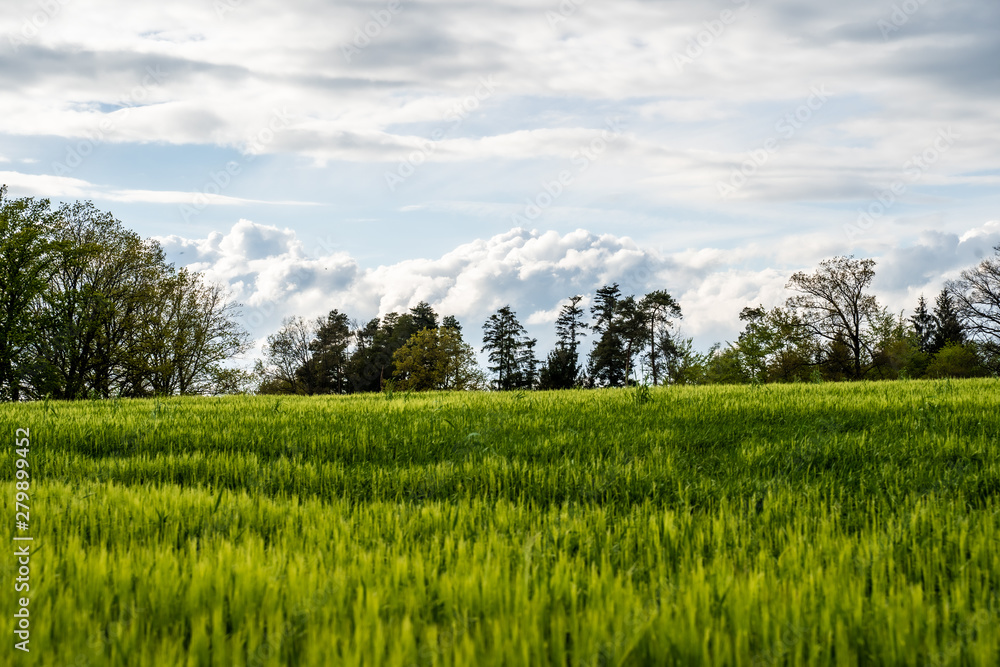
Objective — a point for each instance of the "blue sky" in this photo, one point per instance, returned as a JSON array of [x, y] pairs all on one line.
[[366, 155]]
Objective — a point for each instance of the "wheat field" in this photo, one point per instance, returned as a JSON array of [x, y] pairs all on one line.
[[806, 524]]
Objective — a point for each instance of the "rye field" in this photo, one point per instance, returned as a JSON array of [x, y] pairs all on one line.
[[807, 524]]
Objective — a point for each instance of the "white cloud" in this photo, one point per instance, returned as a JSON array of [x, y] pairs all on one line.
[[66, 187], [218, 87]]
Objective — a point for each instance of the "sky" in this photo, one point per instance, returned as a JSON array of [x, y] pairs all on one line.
[[369, 155]]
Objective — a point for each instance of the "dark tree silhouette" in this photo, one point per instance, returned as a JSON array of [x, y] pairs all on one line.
[[947, 327], [924, 326]]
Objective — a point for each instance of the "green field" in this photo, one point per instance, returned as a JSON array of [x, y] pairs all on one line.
[[782, 524]]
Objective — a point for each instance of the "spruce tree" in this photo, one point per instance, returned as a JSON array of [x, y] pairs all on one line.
[[924, 325], [658, 309], [423, 316], [948, 328]]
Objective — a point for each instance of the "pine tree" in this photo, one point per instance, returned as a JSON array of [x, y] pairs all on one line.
[[372, 363], [631, 327], [838, 362], [560, 371], [424, 316], [527, 364], [365, 366], [329, 354], [621, 324], [607, 363], [605, 306], [562, 368], [511, 352], [658, 309], [924, 325], [948, 328], [570, 326]]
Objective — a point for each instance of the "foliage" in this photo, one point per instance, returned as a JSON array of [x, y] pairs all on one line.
[[685, 365], [610, 359], [326, 370], [628, 329], [285, 354], [657, 311], [562, 369], [437, 359], [91, 310], [775, 346], [956, 360], [27, 256]]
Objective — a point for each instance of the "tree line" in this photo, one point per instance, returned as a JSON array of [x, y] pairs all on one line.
[[413, 351], [93, 310], [829, 329]]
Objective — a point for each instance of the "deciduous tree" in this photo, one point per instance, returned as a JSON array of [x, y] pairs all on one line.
[[437, 358], [27, 259], [977, 299], [284, 354], [833, 305]]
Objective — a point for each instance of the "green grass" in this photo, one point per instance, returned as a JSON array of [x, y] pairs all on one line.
[[833, 524]]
